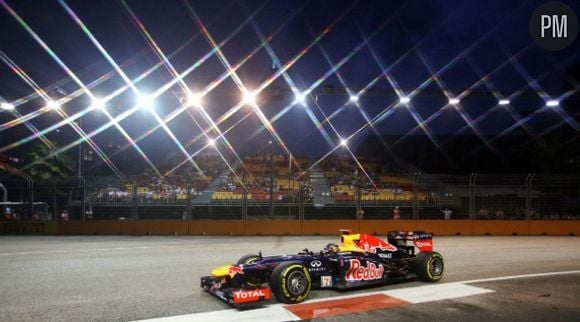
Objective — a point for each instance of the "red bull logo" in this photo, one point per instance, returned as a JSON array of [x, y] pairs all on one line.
[[233, 270], [371, 244], [356, 272]]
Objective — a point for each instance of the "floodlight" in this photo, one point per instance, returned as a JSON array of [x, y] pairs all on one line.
[[54, 105], [504, 102], [404, 100], [146, 101], [354, 98], [98, 103], [211, 142], [343, 142], [453, 101], [7, 106], [300, 98], [249, 98], [194, 99], [552, 103]]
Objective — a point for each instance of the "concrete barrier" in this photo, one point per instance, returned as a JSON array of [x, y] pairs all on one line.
[[555, 227], [216, 227], [446, 227], [500, 227], [273, 227], [328, 227]]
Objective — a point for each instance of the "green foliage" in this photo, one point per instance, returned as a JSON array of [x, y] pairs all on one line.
[[52, 170]]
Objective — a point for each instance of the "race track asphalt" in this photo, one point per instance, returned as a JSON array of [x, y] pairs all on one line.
[[124, 278]]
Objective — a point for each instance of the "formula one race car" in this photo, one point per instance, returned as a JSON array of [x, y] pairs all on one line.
[[361, 260]]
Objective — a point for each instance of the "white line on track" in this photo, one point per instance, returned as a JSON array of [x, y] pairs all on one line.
[[418, 294], [502, 278]]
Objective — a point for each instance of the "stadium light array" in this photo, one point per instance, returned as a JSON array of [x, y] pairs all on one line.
[[354, 98], [504, 102], [194, 99], [552, 103], [404, 100], [7, 106], [453, 101]]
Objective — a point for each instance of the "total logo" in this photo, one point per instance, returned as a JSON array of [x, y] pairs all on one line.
[[243, 296], [424, 245], [356, 272]]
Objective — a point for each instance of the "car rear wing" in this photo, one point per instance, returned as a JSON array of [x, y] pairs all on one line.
[[421, 239]]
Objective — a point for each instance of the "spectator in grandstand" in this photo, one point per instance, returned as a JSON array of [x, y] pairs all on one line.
[[483, 213], [64, 215], [89, 213], [360, 214], [396, 213], [447, 213], [8, 213]]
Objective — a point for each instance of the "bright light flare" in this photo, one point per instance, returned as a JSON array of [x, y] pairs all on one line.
[[53, 105], [453, 101], [343, 142], [404, 100], [552, 103], [354, 98], [250, 98], [98, 104], [300, 98], [194, 99], [7, 106], [146, 102], [211, 142], [504, 102]]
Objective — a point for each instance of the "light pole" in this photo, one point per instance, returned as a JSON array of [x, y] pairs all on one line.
[[271, 178], [81, 179]]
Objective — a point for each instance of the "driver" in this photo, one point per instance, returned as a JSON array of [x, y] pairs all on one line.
[[332, 249]]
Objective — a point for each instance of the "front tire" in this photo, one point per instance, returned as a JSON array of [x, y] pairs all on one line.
[[247, 259], [251, 280], [429, 266], [290, 282]]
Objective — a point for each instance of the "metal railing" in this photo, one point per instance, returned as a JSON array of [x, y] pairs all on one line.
[[431, 196]]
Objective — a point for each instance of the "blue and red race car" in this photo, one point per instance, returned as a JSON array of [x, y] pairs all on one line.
[[360, 260]]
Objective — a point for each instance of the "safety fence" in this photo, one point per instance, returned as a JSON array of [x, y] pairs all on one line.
[[296, 227], [424, 196]]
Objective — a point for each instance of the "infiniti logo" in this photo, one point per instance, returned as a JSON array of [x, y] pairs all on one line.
[[315, 264]]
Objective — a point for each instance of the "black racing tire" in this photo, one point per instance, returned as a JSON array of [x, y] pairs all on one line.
[[290, 282], [247, 259], [429, 266], [251, 280]]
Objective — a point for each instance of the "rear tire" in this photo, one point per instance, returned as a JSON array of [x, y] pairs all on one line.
[[429, 266], [290, 282]]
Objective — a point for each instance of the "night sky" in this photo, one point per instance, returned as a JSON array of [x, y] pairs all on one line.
[[387, 48]]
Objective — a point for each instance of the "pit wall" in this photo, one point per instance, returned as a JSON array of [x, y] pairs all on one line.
[[313, 227]]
